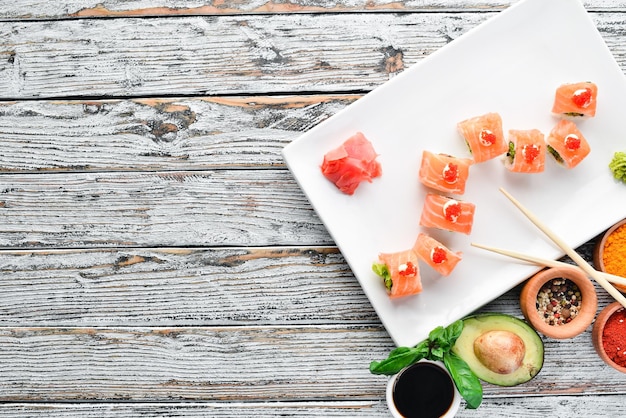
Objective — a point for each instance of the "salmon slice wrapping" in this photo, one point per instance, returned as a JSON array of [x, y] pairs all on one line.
[[449, 214], [401, 273], [576, 100], [484, 136], [444, 172], [527, 151], [567, 144], [436, 255]]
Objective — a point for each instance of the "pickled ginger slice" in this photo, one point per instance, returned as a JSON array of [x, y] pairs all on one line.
[[444, 172], [351, 163], [435, 254], [567, 144], [484, 136]]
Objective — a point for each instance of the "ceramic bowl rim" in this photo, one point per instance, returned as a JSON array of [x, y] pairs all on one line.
[[598, 251], [587, 313], [596, 335], [456, 400]]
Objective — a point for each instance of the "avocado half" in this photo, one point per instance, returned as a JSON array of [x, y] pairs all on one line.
[[500, 349]]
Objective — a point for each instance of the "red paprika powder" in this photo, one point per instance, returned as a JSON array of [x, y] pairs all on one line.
[[614, 337]]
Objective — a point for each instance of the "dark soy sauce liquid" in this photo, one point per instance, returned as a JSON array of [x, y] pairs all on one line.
[[423, 390]]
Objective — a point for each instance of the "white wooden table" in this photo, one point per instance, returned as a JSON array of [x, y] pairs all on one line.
[[157, 258]]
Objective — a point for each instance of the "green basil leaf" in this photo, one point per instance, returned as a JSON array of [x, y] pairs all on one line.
[[446, 337], [436, 335], [423, 348], [453, 331], [399, 350], [465, 380], [436, 353], [397, 360]]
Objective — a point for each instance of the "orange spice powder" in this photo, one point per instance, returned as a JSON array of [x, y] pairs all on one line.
[[614, 255]]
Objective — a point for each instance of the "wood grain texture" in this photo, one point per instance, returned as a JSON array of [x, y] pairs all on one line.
[[157, 134], [538, 407], [192, 287], [180, 287], [221, 55], [180, 209], [41, 9], [226, 364], [242, 363], [193, 409], [217, 55], [230, 54]]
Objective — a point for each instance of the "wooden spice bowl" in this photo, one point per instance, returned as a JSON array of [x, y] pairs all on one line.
[[597, 337], [598, 253], [588, 303]]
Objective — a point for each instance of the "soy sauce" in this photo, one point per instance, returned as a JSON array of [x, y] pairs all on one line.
[[423, 390]]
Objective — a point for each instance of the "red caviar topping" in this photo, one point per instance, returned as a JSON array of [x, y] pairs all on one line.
[[450, 173], [572, 142], [407, 269], [582, 97], [452, 210], [438, 255], [487, 138], [530, 152]]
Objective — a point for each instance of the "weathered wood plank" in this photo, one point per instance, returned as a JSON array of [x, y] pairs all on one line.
[[242, 364], [157, 134], [229, 55], [213, 364], [607, 406], [219, 287], [41, 9], [180, 287], [549, 406], [198, 409], [217, 55], [180, 209]]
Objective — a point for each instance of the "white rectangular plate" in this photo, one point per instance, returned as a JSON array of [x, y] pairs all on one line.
[[510, 64]]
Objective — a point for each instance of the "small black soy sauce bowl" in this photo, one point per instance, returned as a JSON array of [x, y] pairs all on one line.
[[424, 389]]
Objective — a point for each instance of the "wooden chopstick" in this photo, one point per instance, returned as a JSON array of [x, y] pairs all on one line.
[[569, 251], [547, 262]]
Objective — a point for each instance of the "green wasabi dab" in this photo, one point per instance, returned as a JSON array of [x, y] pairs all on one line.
[[618, 166]]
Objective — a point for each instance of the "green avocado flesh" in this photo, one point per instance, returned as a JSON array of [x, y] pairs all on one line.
[[500, 349]]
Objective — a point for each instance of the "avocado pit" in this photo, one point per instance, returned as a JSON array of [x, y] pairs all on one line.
[[501, 352]]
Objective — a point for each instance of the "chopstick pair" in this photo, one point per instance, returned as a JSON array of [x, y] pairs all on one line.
[[611, 278], [601, 278]]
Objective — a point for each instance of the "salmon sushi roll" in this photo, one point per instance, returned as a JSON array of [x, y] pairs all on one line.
[[435, 254], [567, 144], [444, 172], [527, 151], [400, 272], [484, 136], [448, 214], [575, 100], [351, 163]]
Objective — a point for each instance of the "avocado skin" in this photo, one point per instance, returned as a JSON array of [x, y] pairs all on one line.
[[474, 326]]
